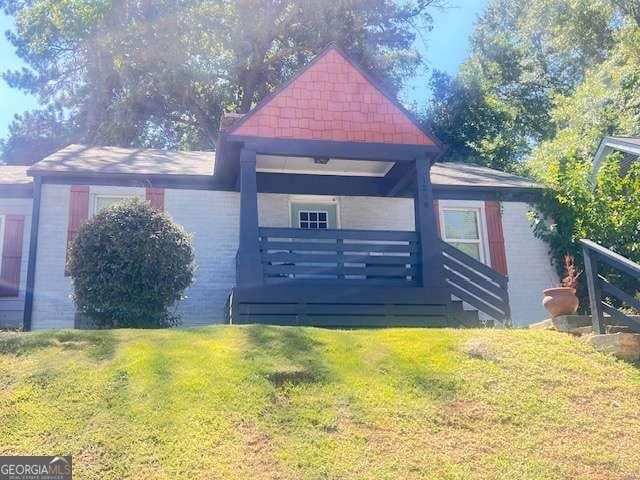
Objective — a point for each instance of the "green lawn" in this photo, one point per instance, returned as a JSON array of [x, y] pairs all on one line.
[[288, 403]]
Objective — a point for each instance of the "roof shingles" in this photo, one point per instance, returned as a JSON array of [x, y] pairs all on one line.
[[331, 100], [83, 160], [116, 160]]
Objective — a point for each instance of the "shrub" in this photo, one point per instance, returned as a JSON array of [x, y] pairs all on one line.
[[607, 213], [129, 264]]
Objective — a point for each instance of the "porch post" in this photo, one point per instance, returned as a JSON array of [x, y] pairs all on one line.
[[249, 263], [431, 273]]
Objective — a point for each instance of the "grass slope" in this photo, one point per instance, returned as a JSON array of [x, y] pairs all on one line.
[[266, 402]]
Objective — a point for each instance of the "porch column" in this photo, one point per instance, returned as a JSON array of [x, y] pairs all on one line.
[[249, 262], [431, 273]]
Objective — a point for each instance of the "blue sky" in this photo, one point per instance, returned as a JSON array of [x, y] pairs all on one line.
[[444, 48]]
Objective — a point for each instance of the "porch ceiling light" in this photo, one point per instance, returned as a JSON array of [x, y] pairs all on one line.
[[320, 160]]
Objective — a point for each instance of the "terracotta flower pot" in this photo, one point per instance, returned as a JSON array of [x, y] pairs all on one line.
[[560, 301]]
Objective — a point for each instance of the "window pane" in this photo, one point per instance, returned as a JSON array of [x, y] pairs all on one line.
[[304, 224], [313, 226], [322, 216], [313, 216], [322, 225], [461, 224], [304, 216], [472, 249]]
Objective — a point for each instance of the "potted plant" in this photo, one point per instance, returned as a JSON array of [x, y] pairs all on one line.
[[562, 300]]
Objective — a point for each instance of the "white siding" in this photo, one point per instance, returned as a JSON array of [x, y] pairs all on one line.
[[213, 219], [529, 265], [12, 309], [368, 213], [52, 305]]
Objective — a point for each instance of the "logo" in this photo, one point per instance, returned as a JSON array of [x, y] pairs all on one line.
[[35, 468]]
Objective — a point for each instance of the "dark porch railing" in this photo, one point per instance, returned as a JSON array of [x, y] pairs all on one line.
[[371, 257], [476, 284], [599, 286]]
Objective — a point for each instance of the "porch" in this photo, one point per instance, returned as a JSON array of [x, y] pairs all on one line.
[[331, 131], [309, 274]]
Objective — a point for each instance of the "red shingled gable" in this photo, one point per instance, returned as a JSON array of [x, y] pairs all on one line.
[[331, 100]]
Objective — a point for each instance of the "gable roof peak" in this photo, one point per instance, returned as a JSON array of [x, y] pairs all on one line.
[[332, 99]]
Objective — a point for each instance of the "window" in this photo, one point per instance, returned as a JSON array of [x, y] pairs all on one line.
[[100, 202], [313, 214], [313, 219], [461, 228]]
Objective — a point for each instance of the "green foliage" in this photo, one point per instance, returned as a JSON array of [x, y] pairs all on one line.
[[526, 56], [161, 73], [129, 264], [607, 213]]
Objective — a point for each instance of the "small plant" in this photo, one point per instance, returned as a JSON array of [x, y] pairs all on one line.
[[571, 273]]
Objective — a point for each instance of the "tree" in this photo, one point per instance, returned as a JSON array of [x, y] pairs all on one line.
[[161, 73], [524, 55], [129, 264]]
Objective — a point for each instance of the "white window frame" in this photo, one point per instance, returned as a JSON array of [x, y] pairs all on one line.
[[315, 199], [97, 196], [482, 240]]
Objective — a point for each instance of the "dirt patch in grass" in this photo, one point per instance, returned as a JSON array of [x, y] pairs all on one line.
[[482, 349], [258, 454]]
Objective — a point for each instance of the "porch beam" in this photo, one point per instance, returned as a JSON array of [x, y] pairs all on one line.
[[399, 179], [249, 263], [343, 150], [306, 184], [431, 272]]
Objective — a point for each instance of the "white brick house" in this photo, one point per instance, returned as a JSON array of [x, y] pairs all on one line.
[[373, 201]]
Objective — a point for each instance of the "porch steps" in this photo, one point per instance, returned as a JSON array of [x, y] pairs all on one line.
[[465, 318]]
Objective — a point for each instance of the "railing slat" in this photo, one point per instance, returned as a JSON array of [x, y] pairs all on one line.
[[468, 260], [320, 270], [477, 303], [334, 247], [477, 290], [618, 293], [333, 234], [339, 259], [476, 278], [621, 317], [345, 282], [613, 258]]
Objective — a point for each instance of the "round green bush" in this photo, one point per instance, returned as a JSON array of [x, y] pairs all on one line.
[[130, 264]]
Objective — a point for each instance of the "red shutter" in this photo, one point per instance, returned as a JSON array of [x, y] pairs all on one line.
[[496, 236], [11, 255], [436, 215], [155, 196], [78, 210]]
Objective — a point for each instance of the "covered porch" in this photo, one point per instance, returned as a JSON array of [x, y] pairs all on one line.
[[346, 277], [331, 131]]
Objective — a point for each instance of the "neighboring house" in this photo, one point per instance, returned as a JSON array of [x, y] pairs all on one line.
[[322, 206], [628, 146]]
